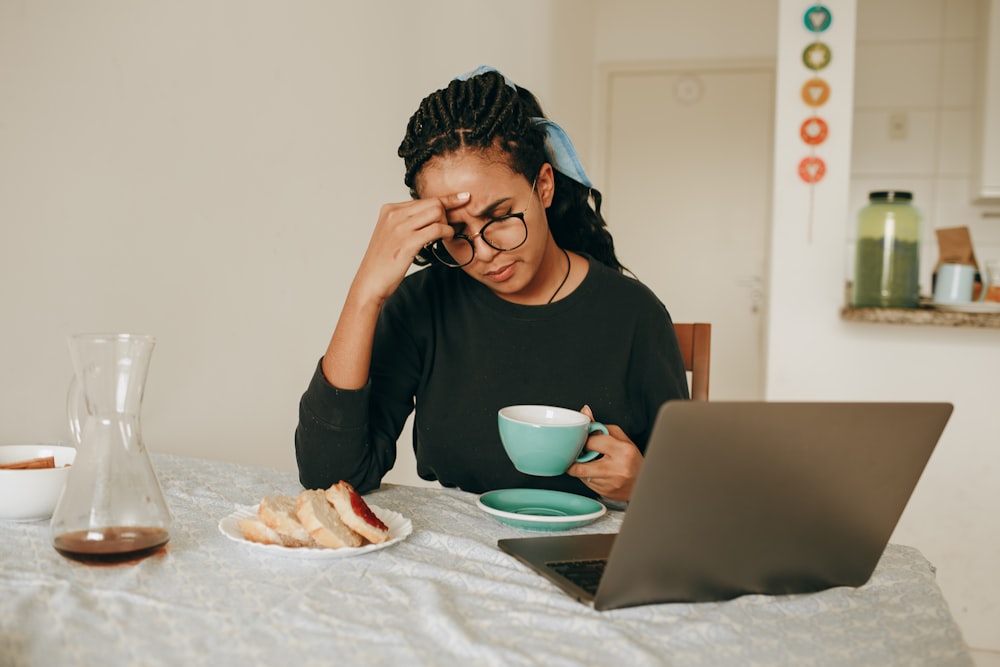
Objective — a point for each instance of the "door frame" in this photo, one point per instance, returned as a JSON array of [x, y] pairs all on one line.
[[602, 139]]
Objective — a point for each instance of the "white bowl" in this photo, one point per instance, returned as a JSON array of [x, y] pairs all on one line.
[[31, 495]]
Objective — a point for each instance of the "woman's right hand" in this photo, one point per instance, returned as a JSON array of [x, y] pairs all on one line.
[[402, 231]]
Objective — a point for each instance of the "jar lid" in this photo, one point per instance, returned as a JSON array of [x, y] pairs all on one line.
[[890, 195]]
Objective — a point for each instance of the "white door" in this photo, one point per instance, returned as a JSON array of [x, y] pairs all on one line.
[[687, 183]]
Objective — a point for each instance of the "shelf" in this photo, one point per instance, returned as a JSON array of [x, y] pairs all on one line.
[[923, 316]]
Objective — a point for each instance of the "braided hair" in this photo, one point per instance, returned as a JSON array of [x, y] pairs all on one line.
[[484, 113]]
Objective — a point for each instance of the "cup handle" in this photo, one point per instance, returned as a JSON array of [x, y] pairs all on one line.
[[589, 454], [73, 402], [984, 285]]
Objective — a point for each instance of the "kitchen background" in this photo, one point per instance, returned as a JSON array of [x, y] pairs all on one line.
[[209, 172]]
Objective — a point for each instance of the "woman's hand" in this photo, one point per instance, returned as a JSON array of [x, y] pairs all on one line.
[[613, 475], [402, 231]]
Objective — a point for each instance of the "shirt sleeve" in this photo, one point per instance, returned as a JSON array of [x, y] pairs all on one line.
[[332, 441], [351, 434], [657, 369]]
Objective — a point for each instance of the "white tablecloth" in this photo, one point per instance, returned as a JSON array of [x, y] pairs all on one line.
[[444, 596]]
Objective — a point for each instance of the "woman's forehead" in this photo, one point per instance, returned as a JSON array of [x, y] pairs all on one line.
[[477, 172]]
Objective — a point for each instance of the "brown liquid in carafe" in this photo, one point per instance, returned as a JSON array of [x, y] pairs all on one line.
[[111, 545]]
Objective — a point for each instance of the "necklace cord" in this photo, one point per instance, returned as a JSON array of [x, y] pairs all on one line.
[[569, 265]]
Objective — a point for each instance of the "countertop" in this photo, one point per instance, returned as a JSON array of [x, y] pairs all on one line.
[[924, 315]]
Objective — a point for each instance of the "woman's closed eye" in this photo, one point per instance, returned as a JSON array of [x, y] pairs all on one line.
[[505, 216], [462, 229]]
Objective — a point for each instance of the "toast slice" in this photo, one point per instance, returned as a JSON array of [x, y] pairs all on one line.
[[354, 512], [256, 530], [278, 514], [324, 524]]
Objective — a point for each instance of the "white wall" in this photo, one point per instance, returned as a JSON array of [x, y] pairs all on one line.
[[209, 173], [636, 30]]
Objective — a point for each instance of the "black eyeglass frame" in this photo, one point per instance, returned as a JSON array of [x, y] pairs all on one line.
[[471, 240]]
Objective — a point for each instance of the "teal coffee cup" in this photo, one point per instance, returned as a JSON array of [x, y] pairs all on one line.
[[545, 440]]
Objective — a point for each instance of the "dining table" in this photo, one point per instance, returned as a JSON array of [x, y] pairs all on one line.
[[443, 594]]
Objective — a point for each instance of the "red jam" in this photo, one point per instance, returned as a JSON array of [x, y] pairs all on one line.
[[361, 508]]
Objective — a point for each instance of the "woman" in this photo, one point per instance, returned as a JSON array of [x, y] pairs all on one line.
[[523, 301]]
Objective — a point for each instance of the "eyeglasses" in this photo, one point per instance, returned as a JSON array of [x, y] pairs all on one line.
[[507, 232]]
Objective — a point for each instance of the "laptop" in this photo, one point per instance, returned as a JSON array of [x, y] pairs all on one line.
[[750, 497]]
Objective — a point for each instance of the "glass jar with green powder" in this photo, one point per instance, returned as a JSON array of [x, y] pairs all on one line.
[[887, 258]]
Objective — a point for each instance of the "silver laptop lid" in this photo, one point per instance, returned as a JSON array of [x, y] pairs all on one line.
[[766, 497]]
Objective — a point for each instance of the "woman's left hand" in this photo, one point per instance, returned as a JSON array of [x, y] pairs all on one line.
[[613, 475]]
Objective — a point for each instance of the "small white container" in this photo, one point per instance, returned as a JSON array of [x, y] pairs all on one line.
[[31, 495]]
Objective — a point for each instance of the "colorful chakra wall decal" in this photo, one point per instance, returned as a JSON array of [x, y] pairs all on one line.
[[813, 131], [815, 92]]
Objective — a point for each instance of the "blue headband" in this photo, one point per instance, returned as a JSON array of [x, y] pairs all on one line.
[[558, 147]]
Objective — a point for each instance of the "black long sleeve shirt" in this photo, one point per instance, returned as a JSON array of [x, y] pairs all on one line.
[[448, 346]]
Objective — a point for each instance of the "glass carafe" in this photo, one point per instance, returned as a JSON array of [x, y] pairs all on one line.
[[112, 508]]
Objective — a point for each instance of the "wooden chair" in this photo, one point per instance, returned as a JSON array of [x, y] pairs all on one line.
[[696, 348]]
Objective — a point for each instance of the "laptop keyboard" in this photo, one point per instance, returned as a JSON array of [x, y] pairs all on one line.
[[584, 573]]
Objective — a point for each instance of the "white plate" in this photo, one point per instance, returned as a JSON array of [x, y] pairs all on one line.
[[399, 528], [973, 307]]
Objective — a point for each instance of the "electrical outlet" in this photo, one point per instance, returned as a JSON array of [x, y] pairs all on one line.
[[899, 125]]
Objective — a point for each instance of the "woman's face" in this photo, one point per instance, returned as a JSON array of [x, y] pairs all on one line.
[[495, 190]]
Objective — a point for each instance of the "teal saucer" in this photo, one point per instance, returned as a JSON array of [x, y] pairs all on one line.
[[540, 509]]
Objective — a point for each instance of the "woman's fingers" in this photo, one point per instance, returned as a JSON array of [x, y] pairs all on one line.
[[402, 231], [456, 200], [613, 475], [416, 223]]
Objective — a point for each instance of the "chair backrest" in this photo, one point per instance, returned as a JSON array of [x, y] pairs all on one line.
[[696, 348]]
